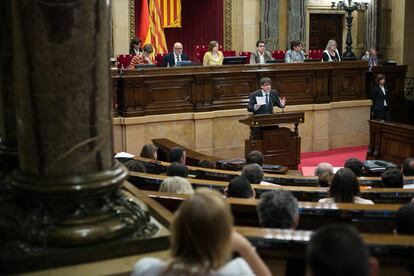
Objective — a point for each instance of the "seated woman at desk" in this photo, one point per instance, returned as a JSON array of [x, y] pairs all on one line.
[[331, 52], [143, 58], [213, 56]]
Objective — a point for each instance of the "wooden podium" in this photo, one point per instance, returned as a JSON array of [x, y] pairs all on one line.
[[279, 145]]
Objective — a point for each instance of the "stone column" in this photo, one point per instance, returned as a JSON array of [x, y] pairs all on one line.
[[269, 23], [8, 144], [296, 20], [68, 177]]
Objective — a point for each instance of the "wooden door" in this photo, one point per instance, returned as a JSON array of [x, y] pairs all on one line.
[[324, 27]]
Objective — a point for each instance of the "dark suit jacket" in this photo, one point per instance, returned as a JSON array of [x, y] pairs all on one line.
[[273, 101], [169, 59], [378, 98]]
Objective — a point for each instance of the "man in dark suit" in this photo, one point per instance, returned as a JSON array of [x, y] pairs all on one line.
[[380, 99], [171, 59], [267, 97]]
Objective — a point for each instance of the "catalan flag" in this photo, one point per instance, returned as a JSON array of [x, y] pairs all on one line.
[[171, 13], [150, 28]]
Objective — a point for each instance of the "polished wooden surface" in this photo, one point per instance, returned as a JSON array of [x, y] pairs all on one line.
[[378, 195], [378, 218], [193, 89], [390, 141]]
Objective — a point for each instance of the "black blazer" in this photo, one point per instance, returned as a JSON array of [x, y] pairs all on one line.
[[378, 98], [273, 101], [169, 59]]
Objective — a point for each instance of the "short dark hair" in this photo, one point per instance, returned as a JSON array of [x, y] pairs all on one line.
[[135, 41], [277, 209], [240, 187], [408, 167], [379, 77], [258, 42], [253, 173], [355, 165], [135, 166], [148, 150], [344, 186], [177, 169], [294, 44], [265, 80], [148, 48], [325, 179], [176, 153], [392, 178], [404, 223], [205, 164], [255, 157], [337, 249]]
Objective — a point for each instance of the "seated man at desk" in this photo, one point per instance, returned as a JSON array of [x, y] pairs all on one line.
[[260, 56], [263, 100], [177, 55]]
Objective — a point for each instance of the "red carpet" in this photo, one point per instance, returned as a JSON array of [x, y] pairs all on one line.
[[336, 157]]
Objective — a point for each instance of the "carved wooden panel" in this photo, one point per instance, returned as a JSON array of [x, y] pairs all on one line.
[[298, 88], [348, 85]]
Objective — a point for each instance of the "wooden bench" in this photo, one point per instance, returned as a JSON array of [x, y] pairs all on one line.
[[378, 195]]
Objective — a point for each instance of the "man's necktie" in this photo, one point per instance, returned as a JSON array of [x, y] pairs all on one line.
[[267, 98], [178, 58]]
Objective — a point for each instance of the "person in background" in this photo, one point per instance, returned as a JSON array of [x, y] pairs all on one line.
[[135, 46], [355, 165], [240, 187], [325, 179], [149, 151], [203, 215], [331, 52], [205, 164], [176, 184], [344, 189], [171, 59], [255, 157], [260, 56], [213, 56], [135, 166], [408, 167], [322, 168], [177, 169], [143, 58], [295, 54], [380, 97], [392, 178], [404, 222], [371, 57], [338, 250], [177, 154]]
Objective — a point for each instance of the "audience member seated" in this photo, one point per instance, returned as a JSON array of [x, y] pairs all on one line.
[[404, 223], [171, 59], [177, 169], [135, 166], [240, 187], [331, 52], [255, 157], [260, 56], [278, 209], [295, 54], [325, 179], [322, 168], [344, 188], [177, 154], [354, 165], [176, 184], [408, 167], [338, 250], [253, 173], [202, 241], [205, 164], [135, 46], [149, 151], [213, 56], [392, 178], [142, 58]]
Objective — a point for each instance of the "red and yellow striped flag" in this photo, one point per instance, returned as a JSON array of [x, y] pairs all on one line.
[[156, 29], [171, 13]]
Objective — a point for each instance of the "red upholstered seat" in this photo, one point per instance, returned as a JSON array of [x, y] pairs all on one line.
[[278, 54], [315, 54], [247, 55], [158, 59], [123, 60], [230, 53]]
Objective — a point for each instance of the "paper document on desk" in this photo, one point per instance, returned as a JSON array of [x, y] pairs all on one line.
[[261, 100]]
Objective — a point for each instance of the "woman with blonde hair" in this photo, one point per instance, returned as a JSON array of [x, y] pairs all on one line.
[[213, 56], [202, 240], [331, 52], [176, 184]]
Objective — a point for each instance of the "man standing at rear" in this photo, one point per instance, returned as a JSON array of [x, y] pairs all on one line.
[[263, 100]]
